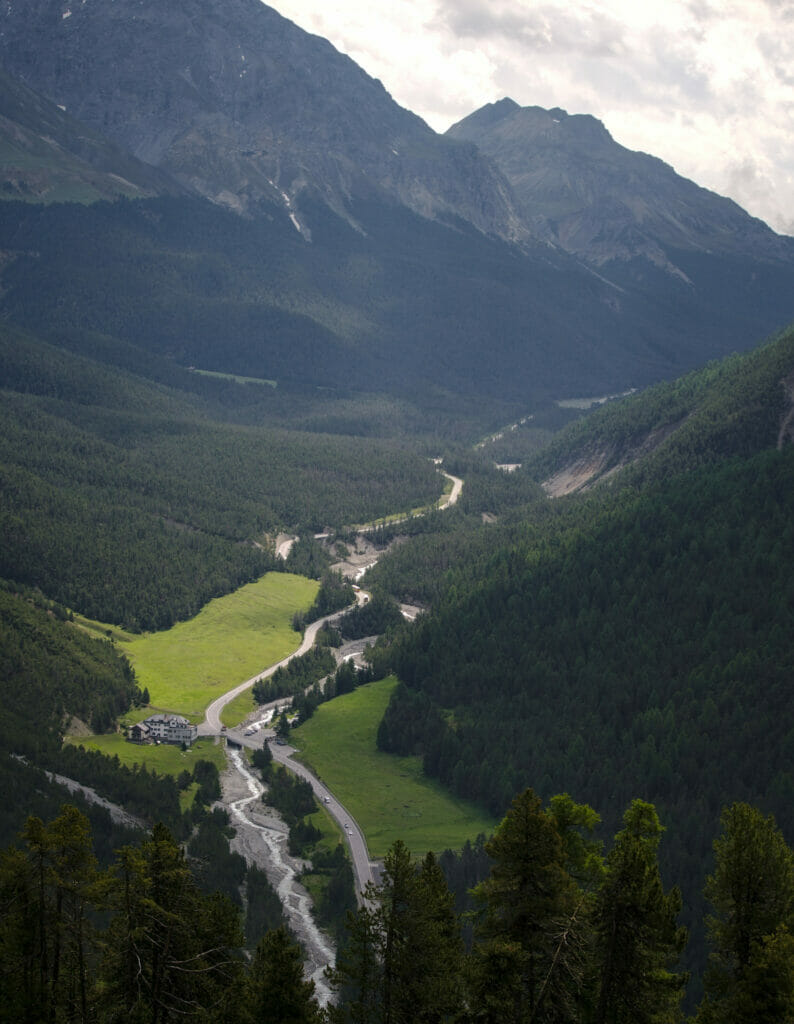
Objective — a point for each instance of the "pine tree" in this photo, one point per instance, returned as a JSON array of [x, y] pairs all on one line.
[[750, 975], [171, 952], [401, 939], [357, 977], [403, 961], [48, 893], [637, 941], [276, 990], [438, 973], [533, 917]]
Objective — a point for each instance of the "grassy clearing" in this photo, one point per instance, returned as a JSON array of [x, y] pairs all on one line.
[[166, 759], [236, 710], [235, 377], [186, 797], [389, 796], [231, 639]]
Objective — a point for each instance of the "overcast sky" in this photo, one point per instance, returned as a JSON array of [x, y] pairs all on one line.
[[707, 85]]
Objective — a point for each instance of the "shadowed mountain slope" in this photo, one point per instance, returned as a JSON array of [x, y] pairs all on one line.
[[412, 267], [47, 156], [633, 641]]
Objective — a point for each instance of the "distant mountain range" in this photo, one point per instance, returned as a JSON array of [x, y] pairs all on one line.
[[522, 253]]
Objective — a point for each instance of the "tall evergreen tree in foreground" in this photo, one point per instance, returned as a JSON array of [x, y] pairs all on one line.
[[47, 893], [637, 940], [750, 975], [531, 959], [171, 953], [276, 991], [403, 963]]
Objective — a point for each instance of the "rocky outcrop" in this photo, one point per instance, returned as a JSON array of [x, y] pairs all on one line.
[[45, 155]]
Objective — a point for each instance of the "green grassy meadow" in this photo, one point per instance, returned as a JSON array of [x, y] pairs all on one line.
[[231, 639], [389, 796], [165, 758]]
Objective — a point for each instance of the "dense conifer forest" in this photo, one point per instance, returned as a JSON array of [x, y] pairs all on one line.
[[631, 641], [130, 504]]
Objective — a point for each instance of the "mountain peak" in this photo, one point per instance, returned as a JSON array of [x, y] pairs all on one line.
[[241, 105], [488, 115], [589, 195]]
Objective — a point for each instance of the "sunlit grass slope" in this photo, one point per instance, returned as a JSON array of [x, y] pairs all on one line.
[[389, 796], [232, 638]]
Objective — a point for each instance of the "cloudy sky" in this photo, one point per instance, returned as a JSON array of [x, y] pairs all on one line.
[[707, 85]]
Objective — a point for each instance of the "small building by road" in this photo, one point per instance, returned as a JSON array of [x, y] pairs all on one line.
[[164, 729]]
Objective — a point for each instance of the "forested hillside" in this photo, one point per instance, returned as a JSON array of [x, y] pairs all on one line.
[[734, 407], [128, 503], [409, 308], [49, 672], [636, 641]]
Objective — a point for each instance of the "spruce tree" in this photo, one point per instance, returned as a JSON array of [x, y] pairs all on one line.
[[532, 920], [48, 894], [637, 940], [403, 960], [171, 952], [750, 974], [276, 990]]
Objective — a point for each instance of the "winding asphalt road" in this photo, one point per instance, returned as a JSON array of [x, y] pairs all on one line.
[[364, 869], [211, 726], [454, 494]]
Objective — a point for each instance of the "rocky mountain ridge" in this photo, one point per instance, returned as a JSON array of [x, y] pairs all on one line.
[[429, 266], [242, 106], [592, 197]]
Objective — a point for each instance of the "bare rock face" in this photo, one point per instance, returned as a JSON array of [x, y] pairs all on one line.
[[47, 156], [581, 190], [241, 105]]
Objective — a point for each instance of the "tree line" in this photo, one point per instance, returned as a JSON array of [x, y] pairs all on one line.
[[561, 932]]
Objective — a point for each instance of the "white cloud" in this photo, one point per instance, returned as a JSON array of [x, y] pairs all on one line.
[[707, 85]]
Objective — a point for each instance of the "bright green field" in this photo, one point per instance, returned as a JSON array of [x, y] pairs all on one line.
[[231, 639], [166, 759], [389, 796]]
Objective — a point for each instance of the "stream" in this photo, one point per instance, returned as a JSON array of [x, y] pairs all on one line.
[[263, 841]]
